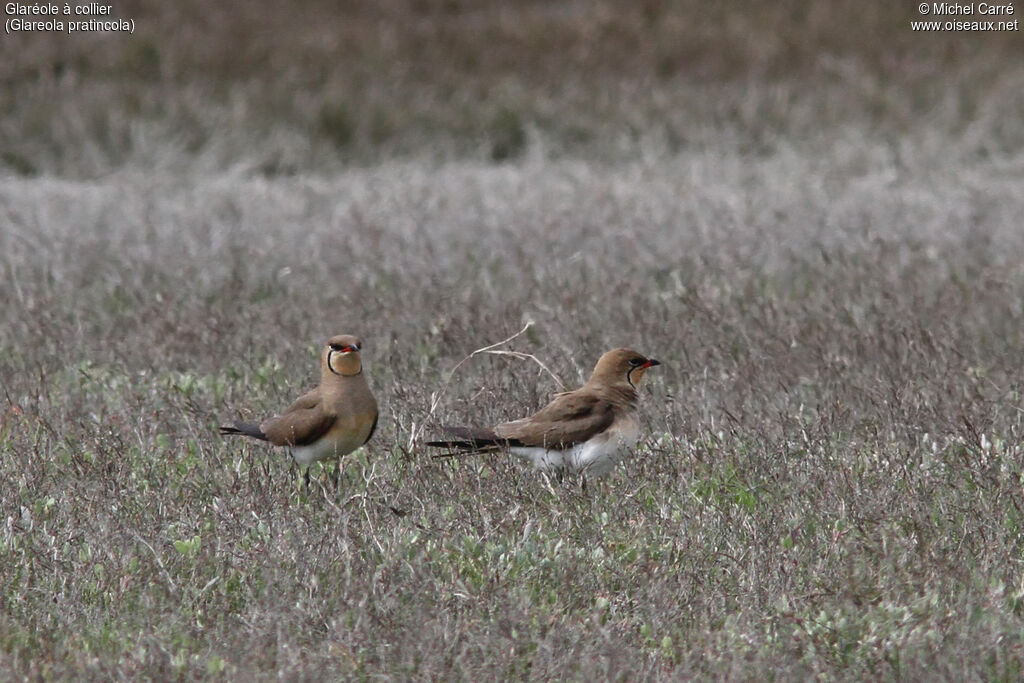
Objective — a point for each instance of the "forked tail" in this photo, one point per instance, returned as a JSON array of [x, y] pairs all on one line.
[[245, 429], [469, 440]]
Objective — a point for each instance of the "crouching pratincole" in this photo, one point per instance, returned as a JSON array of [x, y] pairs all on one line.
[[332, 420], [587, 430]]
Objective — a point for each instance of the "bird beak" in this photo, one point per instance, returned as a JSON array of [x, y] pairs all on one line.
[[651, 363], [348, 349]]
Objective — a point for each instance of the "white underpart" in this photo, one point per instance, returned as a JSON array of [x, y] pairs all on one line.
[[322, 450], [596, 457], [307, 455]]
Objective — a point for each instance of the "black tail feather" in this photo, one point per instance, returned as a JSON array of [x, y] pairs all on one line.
[[468, 440], [245, 429]]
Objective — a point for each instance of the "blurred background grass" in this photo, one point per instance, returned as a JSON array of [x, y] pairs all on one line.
[[285, 88]]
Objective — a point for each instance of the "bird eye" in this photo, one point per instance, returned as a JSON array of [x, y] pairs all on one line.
[[336, 347], [636, 362]]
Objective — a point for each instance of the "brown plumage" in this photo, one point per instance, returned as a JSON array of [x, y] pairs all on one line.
[[588, 429], [332, 420]]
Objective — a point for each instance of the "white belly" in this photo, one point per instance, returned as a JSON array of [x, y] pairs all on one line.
[[595, 457], [322, 450]]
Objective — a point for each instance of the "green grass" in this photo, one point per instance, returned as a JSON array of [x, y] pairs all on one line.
[[811, 217]]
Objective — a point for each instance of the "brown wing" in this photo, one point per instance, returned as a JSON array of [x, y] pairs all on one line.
[[302, 423], [571, 418], [373, 428]]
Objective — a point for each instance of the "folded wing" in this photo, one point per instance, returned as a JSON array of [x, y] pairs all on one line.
[[303, 423], [571, 418]]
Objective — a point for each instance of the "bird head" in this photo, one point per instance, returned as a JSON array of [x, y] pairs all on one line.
[[622, 366], [341, 355]]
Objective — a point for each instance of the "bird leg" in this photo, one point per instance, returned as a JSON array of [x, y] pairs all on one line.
[[337, 474]]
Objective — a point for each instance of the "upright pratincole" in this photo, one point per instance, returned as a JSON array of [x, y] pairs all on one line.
[[587, 430], [334, 419]]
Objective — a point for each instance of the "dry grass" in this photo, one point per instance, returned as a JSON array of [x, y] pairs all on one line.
[[832, 483]]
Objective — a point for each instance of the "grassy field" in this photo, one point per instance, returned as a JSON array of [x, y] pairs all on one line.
[[812, 218]]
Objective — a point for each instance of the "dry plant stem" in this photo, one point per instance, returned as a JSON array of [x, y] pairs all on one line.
[[435, 398]]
